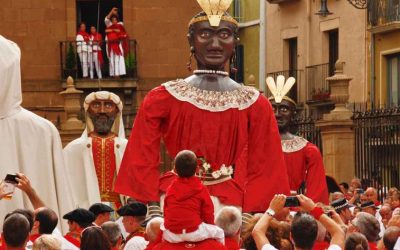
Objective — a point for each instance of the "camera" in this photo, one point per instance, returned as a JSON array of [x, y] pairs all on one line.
[[292, 201]]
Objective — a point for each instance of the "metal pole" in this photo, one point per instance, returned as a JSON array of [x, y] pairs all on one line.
[[262, 46]]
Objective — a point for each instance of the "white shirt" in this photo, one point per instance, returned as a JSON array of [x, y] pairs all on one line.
[[397, 246], [136, 243]]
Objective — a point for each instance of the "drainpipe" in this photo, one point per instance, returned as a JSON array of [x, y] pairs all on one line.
[[262, 55], [372, 70]]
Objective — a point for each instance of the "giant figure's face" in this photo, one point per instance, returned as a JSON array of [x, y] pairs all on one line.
[[102, 113], [284, 113], [213, 46]]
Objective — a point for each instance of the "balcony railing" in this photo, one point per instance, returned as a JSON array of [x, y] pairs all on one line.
[[81, 60], [317, 86], [383, 12], [294, 92]]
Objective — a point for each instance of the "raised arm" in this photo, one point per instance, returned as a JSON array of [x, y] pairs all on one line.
[[139, 174], [260, 229], [336, 232], [25, 185]]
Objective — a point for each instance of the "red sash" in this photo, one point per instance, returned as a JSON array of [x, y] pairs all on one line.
[[73, 240], [96, 37]]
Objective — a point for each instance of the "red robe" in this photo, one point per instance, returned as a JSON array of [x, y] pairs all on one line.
[[219, 126], [187, 204], [304, 163], [105, 166]]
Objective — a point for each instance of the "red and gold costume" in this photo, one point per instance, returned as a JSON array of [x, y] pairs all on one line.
[[304, 164], [105, 165], [220, 127]]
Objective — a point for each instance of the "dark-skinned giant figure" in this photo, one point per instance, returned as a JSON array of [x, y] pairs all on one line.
[[229, 126], [303, 159]]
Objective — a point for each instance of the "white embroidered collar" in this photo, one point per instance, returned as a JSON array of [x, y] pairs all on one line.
[[293, 145], [214, 101]]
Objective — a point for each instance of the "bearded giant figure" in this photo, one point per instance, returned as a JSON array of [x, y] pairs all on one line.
[[93, 160]]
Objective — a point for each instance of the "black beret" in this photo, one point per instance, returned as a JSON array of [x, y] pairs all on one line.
[[133, 209], [339, 203], [368, 204], [99, 208], [80, 215]]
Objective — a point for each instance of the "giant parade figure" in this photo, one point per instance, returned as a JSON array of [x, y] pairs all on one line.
[[303, 159], [229, 126], [93, 160], [29, 144]]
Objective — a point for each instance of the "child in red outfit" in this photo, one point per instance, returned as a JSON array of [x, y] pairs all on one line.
[[188, 209]]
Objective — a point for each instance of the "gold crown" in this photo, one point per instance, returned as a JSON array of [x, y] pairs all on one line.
[[214, 10]]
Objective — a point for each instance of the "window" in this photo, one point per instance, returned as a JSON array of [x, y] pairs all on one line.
[[93, 12], [333, 50], [293, 66], [393, 79]]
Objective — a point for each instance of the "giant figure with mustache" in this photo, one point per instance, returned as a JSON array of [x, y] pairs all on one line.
[[93, 160], [231, 127]]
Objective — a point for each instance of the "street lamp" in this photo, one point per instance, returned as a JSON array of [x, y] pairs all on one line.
[[323, 11]]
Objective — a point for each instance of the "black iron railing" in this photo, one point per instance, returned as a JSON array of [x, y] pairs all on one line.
[[294, 92], [82, 59], [304, 126], [316, 84], [377, 148], [382, 12]]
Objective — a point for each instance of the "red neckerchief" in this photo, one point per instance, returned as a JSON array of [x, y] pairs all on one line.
[[73, 240], [377, 203], [84, 35]]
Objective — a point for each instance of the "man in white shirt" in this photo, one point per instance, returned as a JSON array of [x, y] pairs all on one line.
[[304, 227], [134, 215]]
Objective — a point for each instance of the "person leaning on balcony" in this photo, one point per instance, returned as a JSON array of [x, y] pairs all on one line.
[[303, 159], [82, 39], [116, 43]]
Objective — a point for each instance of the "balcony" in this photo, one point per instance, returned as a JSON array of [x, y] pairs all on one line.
[[71, 64], [317, 89], [383, 15], [316, 84], [294, 92]]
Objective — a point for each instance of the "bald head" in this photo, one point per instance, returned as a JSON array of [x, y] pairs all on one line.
[[230, 220], [153, 228], [371, 194], [185, 163]]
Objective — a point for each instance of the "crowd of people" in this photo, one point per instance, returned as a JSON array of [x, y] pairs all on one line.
[[354, 220], [89, 47]]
